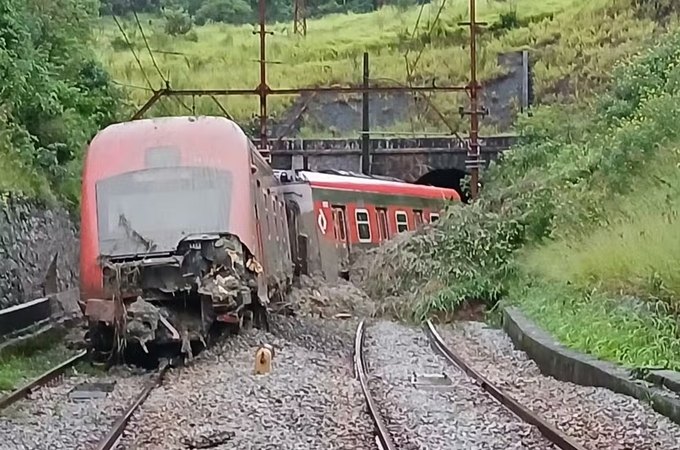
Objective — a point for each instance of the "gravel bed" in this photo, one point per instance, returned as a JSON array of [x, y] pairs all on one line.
[[310, 400], [462, 417], [596, 417], [49, 419]]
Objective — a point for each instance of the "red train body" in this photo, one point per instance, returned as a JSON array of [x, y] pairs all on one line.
[[183, 223]]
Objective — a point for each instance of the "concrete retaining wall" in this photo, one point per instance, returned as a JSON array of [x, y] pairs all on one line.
[[565, 364]]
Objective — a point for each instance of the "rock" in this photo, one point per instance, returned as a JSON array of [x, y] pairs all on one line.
[[31, 234]]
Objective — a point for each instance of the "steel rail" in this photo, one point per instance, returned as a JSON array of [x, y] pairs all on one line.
[[41, 380], [111, 439], [383, 435], [549, 431]]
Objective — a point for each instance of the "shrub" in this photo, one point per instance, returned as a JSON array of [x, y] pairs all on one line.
[[177, 22]]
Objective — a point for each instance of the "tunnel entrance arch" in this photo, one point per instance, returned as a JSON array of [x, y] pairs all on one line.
[[451, 178]]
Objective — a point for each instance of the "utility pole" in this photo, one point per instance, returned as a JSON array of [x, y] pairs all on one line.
[[263, 88], [473, 162], [365, 123], [299, 18]]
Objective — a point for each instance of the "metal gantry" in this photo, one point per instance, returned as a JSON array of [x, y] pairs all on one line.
[[263, 90]]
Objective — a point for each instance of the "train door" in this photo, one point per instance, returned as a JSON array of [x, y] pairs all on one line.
[[383, 229], [298, 242], [340, 230], [418, 217]]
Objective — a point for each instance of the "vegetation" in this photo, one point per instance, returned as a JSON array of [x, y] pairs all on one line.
[[576, 225], [54, 94], [30, 359], [574, 43], [214, 10]]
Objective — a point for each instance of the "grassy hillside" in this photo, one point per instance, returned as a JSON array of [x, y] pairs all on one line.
[[574, 43], [577, 225]]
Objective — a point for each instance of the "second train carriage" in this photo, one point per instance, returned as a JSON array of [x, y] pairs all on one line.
[[336, 215]]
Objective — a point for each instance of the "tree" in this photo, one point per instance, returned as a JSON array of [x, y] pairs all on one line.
[[54, 93], [177, 21], [228, 11]]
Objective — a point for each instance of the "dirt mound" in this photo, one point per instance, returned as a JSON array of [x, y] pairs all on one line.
[[317, 297]]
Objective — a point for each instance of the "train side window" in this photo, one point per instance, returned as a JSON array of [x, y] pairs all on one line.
[[382, 223], [402, 221], [363, 225], [434, 217], [339, 223], [418, 217]]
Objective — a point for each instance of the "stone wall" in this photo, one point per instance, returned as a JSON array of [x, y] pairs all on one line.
[[340, 114], [31, 235]]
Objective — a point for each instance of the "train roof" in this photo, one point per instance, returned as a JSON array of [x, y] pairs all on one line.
[[375, 185], [173, 130]]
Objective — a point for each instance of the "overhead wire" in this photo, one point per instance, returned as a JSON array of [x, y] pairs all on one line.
[[148, 48], [410, 68], [166, 81], [132, 49], [429, 32]]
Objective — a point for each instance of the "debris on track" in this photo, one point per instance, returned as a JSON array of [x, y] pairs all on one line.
[[315, 297]]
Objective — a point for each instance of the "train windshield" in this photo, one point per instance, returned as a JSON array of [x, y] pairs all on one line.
[[151, 210]]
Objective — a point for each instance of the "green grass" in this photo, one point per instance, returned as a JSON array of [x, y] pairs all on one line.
[[614, 290], [636, 253], [625, 331], [15, 177], [574, 43], [30, 359]]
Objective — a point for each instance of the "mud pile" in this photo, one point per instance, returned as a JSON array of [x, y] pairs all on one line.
[[313, 296]]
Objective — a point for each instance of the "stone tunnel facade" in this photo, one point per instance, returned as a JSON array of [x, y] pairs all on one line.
[[407, 159]]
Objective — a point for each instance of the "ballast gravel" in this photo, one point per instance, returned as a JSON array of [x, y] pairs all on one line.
[[597, 418], [310, 400], [50, 419], [461, 416]]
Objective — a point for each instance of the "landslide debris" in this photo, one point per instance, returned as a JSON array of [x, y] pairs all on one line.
[[316, 297]]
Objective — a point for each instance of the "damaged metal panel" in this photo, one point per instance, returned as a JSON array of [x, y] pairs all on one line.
[[215, 272]]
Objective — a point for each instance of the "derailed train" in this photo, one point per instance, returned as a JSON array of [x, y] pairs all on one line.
[[184, 224]]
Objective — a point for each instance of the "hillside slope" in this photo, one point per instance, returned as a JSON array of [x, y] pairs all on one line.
[[574, 44], [577, 225]]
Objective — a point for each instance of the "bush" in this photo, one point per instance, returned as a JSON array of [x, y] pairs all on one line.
[[177, 22], [573, 163], [55, 97], [227, 11]]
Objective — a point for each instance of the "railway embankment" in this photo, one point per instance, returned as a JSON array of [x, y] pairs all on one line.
[[576, 227], [659, 388]]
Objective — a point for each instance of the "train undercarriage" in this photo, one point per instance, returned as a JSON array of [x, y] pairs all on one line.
[[164, 305]]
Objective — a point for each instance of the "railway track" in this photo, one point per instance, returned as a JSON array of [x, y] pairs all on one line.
[[553, 437], [383, 437], [42, 380], [110, 440], [551, 433]]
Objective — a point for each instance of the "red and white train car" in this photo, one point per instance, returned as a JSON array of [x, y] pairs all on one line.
[[342, 213]]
